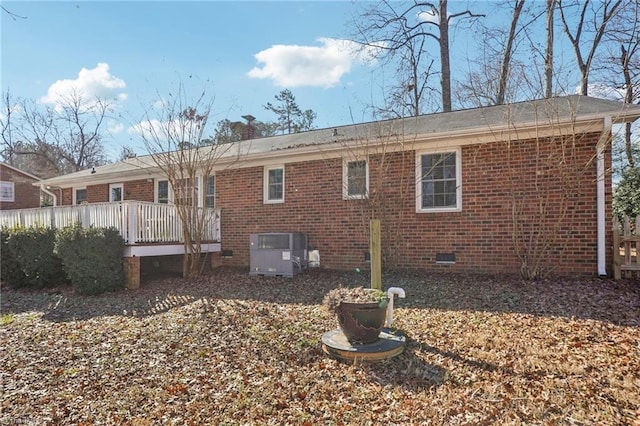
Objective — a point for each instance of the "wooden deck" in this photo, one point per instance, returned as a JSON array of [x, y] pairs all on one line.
[[148, 229]]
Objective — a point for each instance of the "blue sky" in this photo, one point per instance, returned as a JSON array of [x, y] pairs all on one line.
[[137, 52]]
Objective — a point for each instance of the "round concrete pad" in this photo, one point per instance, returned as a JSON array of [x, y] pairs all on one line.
[[390, 344]]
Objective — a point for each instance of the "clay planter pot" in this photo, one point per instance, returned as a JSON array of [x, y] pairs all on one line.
[[361, 322]]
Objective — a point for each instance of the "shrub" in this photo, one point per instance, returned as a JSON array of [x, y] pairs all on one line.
[[10, 271], [28, 258], [92, 258]]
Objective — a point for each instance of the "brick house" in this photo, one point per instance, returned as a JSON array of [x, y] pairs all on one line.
[[17, 190], [491, 190]]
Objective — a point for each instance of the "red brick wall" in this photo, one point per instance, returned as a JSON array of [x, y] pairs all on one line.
[[67, 197], [139, 190], [480, 235], [25, 194], [98, 193]]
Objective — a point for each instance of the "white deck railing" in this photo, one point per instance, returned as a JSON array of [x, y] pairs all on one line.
[[138, 222]]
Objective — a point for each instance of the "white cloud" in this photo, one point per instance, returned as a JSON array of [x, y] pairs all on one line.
[[604, 91], [324, 66], [429, 16], [115, 128], [148, 129], [90, 84]]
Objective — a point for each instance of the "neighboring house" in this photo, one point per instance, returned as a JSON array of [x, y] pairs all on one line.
[[487, 190], [17, 190]]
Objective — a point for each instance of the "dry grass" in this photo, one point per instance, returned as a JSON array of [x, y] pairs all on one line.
[[234, 349]]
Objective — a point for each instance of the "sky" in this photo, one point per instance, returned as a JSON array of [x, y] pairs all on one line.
[[244, 53]]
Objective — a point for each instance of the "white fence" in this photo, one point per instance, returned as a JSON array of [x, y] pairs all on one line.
[[138, 222]]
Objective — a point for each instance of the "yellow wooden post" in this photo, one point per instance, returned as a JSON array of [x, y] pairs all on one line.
[[375, 254]]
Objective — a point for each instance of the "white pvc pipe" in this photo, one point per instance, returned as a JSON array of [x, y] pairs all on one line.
[[600, 202], [393, 291]]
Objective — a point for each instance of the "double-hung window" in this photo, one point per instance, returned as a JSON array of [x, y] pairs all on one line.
[[355, 179], [439, 181], [210, 191], [7, 192], [185, 192], [163, 192], [274, 184], [115, 192]]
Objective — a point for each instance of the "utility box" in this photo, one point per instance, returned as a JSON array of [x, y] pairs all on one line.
[[278, 254]]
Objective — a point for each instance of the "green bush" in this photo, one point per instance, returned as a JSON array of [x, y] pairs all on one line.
[[28, 258], [92, 258], [10, 271]]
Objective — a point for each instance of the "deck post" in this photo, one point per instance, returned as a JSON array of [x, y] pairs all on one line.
[[132, 272]]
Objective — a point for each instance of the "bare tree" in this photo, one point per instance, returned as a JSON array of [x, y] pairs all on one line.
[[499, 73], [48, 141], [7, 125], [411, 92], [392, 27], [78, 133], [174, 137], [622, 66], [543, 211], [508, 50], [591, 20], [548, 58]]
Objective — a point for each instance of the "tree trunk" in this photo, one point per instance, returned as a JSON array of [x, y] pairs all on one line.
[[548, 62], [444, 57], [506, 60]]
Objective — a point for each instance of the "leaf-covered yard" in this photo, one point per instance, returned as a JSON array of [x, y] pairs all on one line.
[[235, 349]]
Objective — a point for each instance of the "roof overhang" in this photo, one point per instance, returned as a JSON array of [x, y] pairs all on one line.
[[523, 121]]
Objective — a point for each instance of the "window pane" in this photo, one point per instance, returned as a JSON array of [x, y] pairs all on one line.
[[210, 192], [276, 190], [439, 180], [7, 192], [81, 195], [116, 194], [356, 178], [163, 191], [185, 192]]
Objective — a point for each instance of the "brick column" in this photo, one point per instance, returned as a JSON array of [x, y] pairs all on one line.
[[132, 272]]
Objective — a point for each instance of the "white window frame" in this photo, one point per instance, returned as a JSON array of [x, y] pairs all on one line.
[[458, 207], [74, 193], [113, 186], [265, 186], [7, 192], [345, 179]]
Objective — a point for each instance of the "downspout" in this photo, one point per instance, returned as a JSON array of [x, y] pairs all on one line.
[[46, 191], [600, 187]]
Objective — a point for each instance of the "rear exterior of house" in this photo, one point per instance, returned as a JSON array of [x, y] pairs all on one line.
[[491, 190], [475, 235], [17, 190]]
